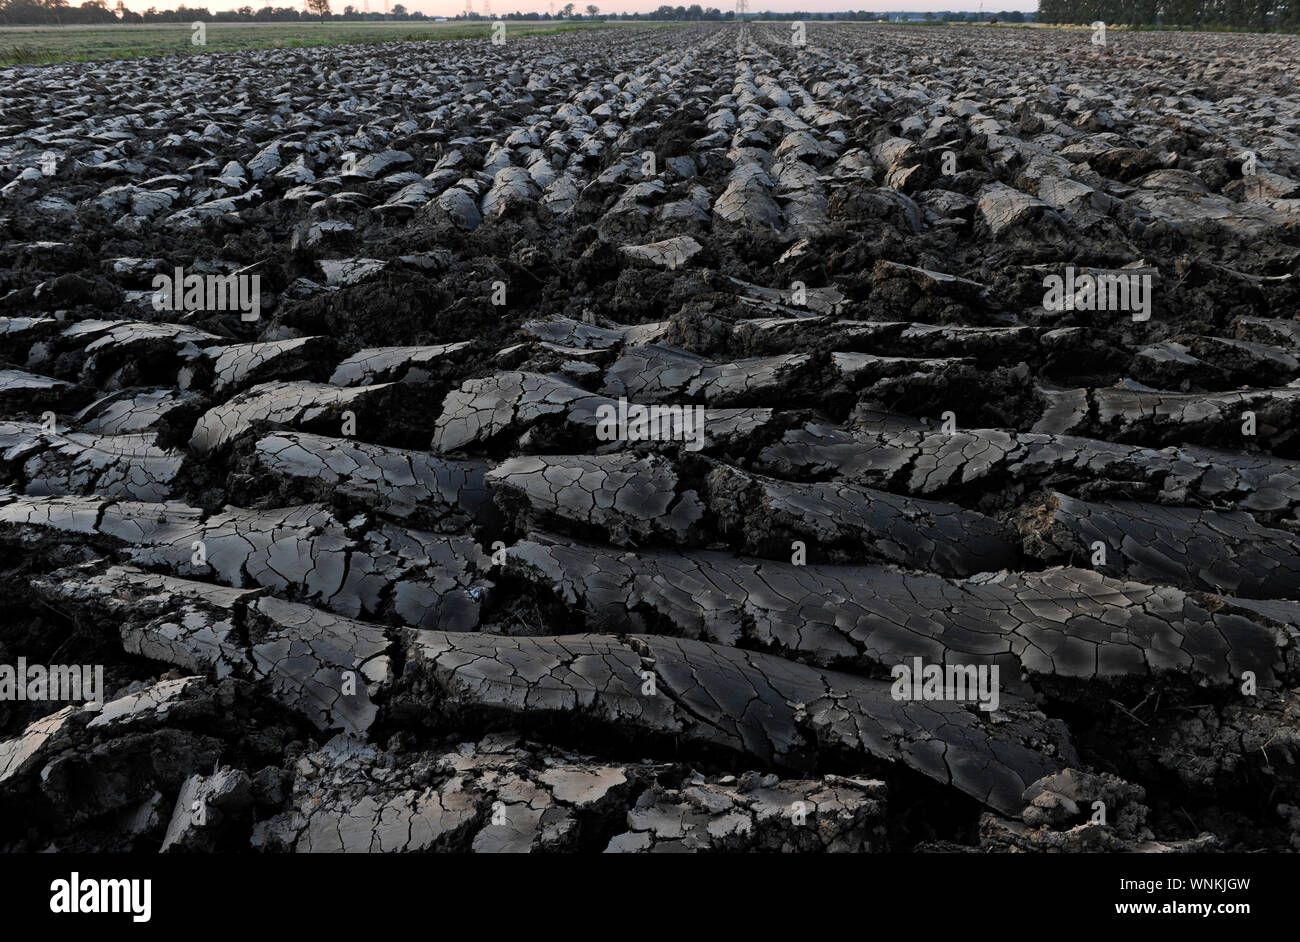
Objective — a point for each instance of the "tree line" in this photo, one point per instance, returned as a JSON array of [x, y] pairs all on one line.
[[62, 12], [1259, 15], [1242, 14]]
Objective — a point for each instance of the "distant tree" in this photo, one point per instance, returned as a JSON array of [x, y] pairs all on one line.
[[592, 9], [568, 11], [399, 9], [92, 11], [349, 10], [319, 8]]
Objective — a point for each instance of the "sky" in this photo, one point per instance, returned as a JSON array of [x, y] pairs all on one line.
[[452, 7]]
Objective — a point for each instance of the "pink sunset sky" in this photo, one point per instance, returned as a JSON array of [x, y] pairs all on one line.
[[452, 7]]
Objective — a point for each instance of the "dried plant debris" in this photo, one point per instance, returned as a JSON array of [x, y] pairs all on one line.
[[654, 440], [1081, 812]]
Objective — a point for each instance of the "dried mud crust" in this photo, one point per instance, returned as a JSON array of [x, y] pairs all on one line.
[[381, 570]]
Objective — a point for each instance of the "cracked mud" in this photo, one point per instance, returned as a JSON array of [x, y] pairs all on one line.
[[622, 412]]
